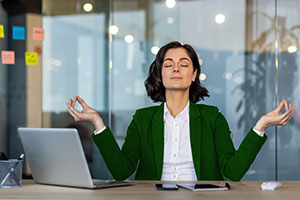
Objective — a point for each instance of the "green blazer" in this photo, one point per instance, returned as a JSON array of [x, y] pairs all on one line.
[[213, 153]]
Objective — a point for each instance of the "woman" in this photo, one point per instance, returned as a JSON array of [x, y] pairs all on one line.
[[178, 140]]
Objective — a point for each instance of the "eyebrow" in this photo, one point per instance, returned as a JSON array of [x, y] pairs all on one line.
[[184, 58]]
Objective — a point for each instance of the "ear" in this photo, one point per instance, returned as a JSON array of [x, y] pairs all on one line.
[[194, 75]]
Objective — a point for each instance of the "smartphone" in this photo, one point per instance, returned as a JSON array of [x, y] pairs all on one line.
[[166, 187], [203, 187]]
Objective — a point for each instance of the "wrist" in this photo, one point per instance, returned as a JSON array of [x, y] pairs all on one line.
[[259, 126], [98, 123]]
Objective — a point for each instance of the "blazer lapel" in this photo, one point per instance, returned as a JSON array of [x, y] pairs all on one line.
[[195, 136], [158, 138]]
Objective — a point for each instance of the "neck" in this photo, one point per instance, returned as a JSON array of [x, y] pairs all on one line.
[[176, 101]]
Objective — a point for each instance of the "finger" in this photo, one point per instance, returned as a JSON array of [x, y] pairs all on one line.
[[69, 102], [292, 111], [73, 110], [82, 102], [77, 116], [290, 116], [280, 106], [282, 118], [74, 101], [290, 106], [285, 105], [287, 116], [293, 106], [283, 123], [72, 114]]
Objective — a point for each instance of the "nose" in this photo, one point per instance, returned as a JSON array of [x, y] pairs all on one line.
[[176, 68]]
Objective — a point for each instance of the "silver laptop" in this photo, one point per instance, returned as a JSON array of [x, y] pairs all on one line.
[[56, 157]]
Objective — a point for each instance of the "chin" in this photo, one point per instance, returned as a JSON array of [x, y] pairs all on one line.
[[177, 88]]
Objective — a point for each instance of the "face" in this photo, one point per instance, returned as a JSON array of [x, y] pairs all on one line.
[[177, 70]]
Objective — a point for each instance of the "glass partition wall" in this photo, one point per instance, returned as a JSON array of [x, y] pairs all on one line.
[[75, 62], [101, 50], [288, 35]]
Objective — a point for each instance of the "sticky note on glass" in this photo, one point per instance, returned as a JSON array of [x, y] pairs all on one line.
[[8, 57], [18, 33], [31, 58], [38, 34], [1, 31]]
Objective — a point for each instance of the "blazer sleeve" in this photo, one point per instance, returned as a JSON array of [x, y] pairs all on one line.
[[235, 163], [120, 162]]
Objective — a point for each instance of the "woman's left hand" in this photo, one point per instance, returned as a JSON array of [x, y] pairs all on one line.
[[275, 118]]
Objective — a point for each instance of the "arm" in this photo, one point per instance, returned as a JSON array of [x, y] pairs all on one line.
[[234, 164], [121, 163]]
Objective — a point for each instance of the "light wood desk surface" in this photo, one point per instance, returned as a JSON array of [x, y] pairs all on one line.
[[144, 190]]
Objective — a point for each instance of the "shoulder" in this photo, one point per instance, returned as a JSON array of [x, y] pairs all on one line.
[[207, 109], [146, 112], [209, 112]]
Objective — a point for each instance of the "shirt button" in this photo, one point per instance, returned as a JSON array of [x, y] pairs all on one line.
[[176, 124], [174, 155], [175, 168], [174, 176], [176, 139]]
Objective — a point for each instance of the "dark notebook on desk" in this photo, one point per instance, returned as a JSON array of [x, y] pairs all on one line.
[[56, 157]]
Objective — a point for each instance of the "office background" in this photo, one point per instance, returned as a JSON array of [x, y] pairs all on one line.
[[101, 50]]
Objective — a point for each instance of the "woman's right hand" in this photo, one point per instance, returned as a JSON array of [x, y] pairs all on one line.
[[87, 113]]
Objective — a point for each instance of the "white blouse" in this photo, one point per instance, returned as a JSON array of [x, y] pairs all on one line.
[[178, 161]]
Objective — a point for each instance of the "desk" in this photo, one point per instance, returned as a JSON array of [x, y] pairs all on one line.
[[144, 190]]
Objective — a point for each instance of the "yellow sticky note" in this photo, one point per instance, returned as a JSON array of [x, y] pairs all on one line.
[[1, 31], [31, 58]]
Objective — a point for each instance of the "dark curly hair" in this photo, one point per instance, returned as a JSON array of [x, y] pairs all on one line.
[[154, 85]]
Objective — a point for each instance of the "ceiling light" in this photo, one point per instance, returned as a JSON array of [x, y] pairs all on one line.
[[87, 7], [154, 50], [170, 20], [220, 18], [202, 77], [292, 49], [113, 29], [128, 38], [170, 3]]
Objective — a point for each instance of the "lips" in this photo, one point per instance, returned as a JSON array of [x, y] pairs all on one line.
[[176, 78]]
